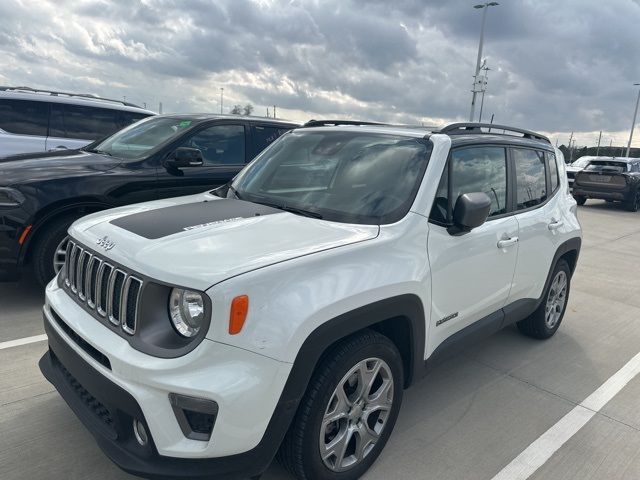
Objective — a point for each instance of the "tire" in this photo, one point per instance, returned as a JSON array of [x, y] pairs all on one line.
[[580, 200], [543, 324], [634, 205], [300, 452], [46, 244]]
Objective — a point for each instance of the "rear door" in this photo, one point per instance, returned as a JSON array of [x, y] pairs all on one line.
[[23, 126], [224, 148], [539, 217]]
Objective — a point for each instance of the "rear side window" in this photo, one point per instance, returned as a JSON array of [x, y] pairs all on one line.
[[24, 117], [127, 118], [476, 169], [531, 185], [87, 123], [553, 172], [264, 136], [220, 144]]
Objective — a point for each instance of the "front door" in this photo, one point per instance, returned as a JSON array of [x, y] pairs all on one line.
[[471, 273], [223, 148]]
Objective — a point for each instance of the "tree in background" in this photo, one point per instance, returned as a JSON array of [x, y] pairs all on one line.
[[591, 151], [240, 110]]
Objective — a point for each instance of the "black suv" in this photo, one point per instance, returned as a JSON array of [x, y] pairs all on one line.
[[614, 179], [161, 156]]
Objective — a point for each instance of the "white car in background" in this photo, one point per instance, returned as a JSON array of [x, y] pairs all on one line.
[[41, 120], [574, 168]]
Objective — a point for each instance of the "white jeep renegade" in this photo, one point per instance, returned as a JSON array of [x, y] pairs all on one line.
[[286, 312]]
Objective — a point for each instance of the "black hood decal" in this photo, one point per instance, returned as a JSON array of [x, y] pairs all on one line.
[[190, 216]]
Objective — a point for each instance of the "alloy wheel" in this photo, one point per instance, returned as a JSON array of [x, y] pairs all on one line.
[[60, 255], [356, 415], [556, 300]]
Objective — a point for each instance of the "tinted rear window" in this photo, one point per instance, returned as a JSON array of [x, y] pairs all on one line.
[[24, 117], [602, 166]]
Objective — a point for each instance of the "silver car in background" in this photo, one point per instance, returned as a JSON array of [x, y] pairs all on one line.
[[34, 120]]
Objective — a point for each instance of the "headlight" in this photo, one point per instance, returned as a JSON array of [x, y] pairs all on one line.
[[10, 197], [186, 309]]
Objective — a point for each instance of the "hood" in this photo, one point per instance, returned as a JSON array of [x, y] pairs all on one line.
[[200, 240], [20, 169]]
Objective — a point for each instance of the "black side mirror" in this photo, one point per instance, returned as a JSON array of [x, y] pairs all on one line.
[[185, 157], [471, 211]]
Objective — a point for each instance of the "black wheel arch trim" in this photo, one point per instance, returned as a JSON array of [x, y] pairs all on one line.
[[42, 220]]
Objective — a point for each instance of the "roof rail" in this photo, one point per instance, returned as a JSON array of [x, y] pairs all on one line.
[[54, 93], [464, 128], [323, 123]]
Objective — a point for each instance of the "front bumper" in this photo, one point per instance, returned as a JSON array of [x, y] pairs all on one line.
[[107, 394]]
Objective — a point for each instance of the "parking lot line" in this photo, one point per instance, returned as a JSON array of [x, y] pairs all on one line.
[[541, 450], [22, 341]]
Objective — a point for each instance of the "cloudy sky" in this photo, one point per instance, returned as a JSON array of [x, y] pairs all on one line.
[[556, 65]]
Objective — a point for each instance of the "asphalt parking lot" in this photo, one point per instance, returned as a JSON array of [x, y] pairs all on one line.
[[468, 419]]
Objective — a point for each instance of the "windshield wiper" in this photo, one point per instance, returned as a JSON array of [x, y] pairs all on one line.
[[234, 191], [101, 152], [296, 210]]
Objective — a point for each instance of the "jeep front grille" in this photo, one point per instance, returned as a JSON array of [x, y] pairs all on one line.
[[113, 293]]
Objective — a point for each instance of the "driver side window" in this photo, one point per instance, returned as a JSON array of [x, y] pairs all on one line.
[[219, 144], [474, 169]]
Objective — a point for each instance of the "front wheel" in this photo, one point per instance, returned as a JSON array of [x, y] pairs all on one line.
[[544, 322], [50, 249], [348, 412]]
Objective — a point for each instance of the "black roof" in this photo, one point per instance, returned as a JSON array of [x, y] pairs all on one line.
[[201, 117], [461, 133], [474, 139]]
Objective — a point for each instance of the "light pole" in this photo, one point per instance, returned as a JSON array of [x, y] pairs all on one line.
[[633, 125], [485, 79], [484, 6], [221, 98]]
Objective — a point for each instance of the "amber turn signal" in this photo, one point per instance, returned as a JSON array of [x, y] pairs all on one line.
[[239, 309]]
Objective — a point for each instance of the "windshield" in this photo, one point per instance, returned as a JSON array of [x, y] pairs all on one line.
[[600, 166], [351, 177], [141, 137]]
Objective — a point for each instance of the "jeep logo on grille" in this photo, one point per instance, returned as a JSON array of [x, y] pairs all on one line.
[[105, 243]]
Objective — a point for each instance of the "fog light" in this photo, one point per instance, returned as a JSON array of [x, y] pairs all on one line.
[[140, 432]]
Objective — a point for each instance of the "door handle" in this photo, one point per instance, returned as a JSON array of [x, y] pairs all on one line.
[[507, 242], [555, 225]]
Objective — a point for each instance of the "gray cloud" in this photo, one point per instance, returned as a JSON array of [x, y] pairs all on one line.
[[555, 66]]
